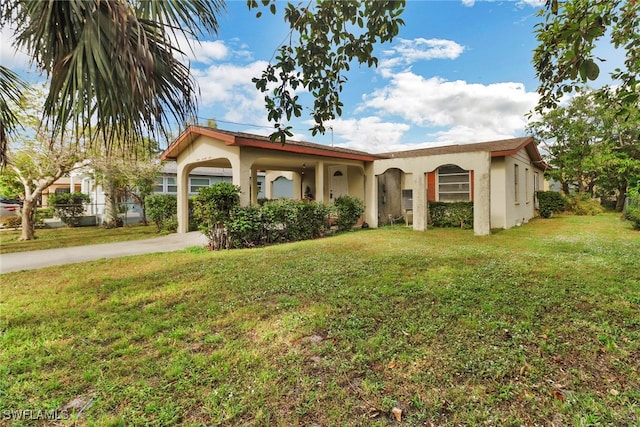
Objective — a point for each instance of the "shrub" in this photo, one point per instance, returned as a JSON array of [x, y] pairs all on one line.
[[349, 210], [451, 214], [245, 227], [584, 205], [277, 221], [69, 207], [42, 214], [550, 202], [162, 209], [279, 217], [12, 222], [633, 214], [632, 211], [311, 220], [212, 208]]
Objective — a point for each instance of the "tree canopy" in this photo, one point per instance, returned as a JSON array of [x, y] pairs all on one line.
[[564, 59], [326, 37], [111, 64], [112, 67], [593, 143]]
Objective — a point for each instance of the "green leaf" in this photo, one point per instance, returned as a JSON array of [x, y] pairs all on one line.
[[592, 70]]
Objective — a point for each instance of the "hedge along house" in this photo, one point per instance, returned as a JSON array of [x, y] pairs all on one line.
[[499, 177]]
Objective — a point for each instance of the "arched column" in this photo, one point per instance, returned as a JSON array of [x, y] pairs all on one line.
[[482, 196], [254, 186], [242, 178], [370, 196], [319, 181], [182, 182], [419, 201]]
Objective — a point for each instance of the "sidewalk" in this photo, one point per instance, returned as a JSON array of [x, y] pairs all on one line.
[[49, 257]]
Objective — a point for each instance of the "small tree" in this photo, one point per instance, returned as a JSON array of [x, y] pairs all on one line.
[[162, 209], [550, 202], [69, 207], [37, 158], [212, 208], [141, 180]]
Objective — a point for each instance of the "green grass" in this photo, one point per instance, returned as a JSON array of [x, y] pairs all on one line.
[[66, 237], [536, 325]]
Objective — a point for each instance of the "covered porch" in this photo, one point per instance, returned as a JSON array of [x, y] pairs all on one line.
[[318, 172]]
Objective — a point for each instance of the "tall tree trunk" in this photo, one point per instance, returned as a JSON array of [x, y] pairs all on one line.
[[28, 226], [140, 200], [620, 198], [110, 207]]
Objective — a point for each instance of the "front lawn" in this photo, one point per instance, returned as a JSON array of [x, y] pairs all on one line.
[[537, 325], [49, 238]]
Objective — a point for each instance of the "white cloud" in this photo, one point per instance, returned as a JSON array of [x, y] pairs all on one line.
[[532, 3], [409, 51], [207, 51], [228, 87], [203, 52], [9, 57], [369, 134], [520, 3], [469, 112]]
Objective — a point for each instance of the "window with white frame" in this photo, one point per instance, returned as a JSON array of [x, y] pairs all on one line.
[[197, 183], [165, 184], [526, 185], [171, 185], [454, 184], [516, 183], [159, 185], [216, 179]]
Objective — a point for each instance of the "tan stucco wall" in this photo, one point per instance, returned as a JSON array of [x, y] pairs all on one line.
[[498, 193], [493, 186], [418, 167], [246, 161], [518, 212]]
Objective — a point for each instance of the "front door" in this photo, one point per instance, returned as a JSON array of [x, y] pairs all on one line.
[[339, 182]]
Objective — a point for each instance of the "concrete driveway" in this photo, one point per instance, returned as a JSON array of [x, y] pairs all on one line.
[[50, 257]]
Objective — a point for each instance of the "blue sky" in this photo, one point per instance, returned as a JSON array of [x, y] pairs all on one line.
[[460, 71]]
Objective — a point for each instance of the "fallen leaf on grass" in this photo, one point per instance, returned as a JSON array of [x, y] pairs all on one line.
[[397, 413], [558, 395]]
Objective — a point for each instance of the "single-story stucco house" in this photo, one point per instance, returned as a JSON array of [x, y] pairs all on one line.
[[499, 177]]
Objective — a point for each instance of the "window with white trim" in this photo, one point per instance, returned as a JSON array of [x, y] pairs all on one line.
[[172, 187], [454, 184], [159, 185], [165, 184], [196, 184], [516, 183], [526, 185]]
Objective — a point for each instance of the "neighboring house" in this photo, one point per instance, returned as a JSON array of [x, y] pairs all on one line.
[[499, 177], [82, 180], [207, 176], [62, 185]]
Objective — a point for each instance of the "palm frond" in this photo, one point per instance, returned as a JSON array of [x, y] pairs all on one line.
[[11, 87], [112, 65]]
